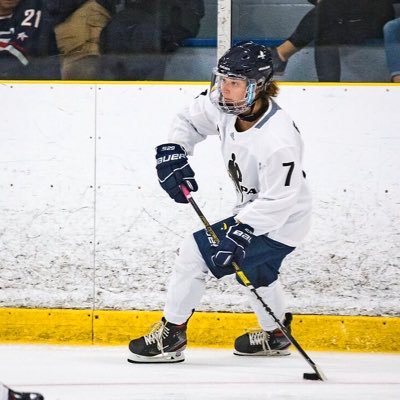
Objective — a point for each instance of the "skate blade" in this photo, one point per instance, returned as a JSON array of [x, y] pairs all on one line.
[[161, 358], [271, 353]]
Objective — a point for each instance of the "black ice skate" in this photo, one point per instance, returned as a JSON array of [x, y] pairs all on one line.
[[261, 343], [164, 344], [12, 395]]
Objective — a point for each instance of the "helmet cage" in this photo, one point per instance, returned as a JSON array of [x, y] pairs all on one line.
[[237, 107]]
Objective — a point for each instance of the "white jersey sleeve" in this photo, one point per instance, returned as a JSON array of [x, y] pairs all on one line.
[[194, 123]]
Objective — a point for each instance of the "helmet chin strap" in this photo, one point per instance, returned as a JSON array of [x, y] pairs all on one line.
[[250, 116]]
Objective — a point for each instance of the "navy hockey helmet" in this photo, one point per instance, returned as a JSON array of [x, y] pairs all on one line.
[[245, 61]]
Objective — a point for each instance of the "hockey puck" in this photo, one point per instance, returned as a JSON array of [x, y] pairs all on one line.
[[310, 376]]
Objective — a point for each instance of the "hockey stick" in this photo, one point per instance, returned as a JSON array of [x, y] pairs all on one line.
[[318, 375]]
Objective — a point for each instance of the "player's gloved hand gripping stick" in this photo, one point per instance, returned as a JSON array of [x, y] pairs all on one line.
[[173, 169], [233, 245], [318, 375]]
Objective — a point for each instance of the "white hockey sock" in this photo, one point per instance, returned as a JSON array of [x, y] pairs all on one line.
[[273, 296], [187, 283]]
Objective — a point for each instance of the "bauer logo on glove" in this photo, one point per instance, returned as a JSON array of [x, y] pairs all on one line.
[[172, 153], [233, 246], [243, 235]]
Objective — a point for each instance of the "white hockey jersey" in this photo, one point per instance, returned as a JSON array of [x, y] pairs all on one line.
[[264, 163]]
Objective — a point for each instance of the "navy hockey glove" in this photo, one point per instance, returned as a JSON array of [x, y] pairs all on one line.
[[233, 246], [173, 169]]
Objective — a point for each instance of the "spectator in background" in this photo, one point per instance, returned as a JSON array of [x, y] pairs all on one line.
[[78, 24], [136, 42], [332, 23], [391, 32], [7, 394], [27, 44]]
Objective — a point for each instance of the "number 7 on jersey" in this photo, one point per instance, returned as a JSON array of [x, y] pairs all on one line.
[[289, 175]]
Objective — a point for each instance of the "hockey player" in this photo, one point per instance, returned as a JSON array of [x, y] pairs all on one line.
[[28, 48], [7, 394], [263, 153]]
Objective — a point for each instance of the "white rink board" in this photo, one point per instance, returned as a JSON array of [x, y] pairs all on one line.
[[46, 202], [95, 145]]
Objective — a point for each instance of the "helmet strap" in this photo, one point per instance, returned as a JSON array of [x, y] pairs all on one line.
[[250, 116]]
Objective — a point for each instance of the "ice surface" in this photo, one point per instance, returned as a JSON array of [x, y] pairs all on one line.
[[102, 373]]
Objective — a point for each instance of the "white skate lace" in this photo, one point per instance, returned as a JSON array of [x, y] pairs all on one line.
[[159, 331], [259, 337]]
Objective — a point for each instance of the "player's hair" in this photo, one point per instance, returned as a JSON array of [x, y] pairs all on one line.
[[272, 90]]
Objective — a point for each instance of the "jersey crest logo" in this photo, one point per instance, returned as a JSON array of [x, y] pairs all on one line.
[[236, 175]]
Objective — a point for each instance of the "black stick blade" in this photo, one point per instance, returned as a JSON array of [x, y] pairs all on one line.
[[312, 376]]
